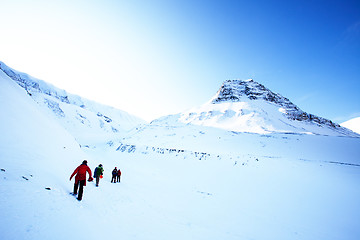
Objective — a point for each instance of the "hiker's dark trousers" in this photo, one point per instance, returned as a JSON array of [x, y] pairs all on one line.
[[81, 188], [97, 180], [113, 179]]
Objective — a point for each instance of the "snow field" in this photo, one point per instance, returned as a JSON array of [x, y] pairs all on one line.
[[217, 142], [187, 198], [264, 199]]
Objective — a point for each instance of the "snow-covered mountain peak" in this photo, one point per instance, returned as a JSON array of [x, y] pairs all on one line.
[[248, 106], [245, 90]]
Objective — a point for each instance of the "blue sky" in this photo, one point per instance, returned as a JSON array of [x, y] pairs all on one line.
[[153, 58]]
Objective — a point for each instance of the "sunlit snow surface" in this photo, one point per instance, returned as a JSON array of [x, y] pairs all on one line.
[[353, 124], [179, 181]]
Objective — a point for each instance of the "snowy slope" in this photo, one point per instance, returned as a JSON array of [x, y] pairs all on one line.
[[247, 106], [35, 153], [24, 127], [179, 181], [86, 120], [353, 124]]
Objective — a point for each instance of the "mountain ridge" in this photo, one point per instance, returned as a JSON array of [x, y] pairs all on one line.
[[238, 105], [75, 112]]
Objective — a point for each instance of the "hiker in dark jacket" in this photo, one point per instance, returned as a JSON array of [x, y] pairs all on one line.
[[80, 178], [114, 173], [118, 175], [98, 174]]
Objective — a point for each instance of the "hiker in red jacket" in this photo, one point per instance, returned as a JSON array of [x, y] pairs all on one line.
[[118, 175], [80, 178]]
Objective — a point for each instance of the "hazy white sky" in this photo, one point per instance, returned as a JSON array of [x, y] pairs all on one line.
[[153, 58]]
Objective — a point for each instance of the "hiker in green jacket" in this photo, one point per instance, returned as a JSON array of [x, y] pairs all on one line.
[[98, 173]]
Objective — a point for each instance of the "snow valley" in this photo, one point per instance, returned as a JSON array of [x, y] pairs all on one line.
[[248, 164]]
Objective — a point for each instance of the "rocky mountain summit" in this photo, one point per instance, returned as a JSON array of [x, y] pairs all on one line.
[[236, 90]]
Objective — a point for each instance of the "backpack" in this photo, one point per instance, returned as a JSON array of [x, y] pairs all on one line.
[[100, 171]]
